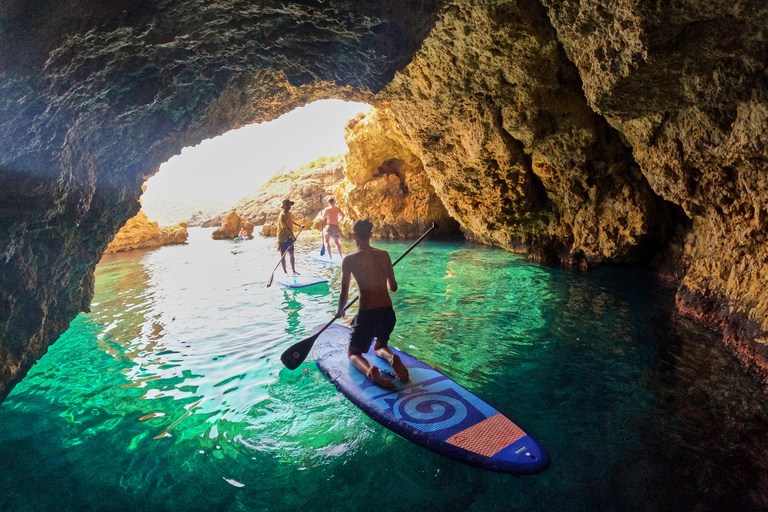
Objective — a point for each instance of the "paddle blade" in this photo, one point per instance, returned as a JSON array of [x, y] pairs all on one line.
[[296, 354], [271, 277], [322, 250]]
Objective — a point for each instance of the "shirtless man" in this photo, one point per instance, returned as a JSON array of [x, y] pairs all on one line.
[[373, 272], [331, 218]]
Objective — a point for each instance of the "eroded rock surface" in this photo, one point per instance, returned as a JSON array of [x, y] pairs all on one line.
[[686, 85], [142, 233], [498, 116], [385, 182], [230, 227]]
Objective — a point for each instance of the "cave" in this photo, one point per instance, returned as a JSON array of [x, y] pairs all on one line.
[[578, 132]]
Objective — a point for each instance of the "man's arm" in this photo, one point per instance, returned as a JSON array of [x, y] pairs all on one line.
[[391, 282], [346, 276]]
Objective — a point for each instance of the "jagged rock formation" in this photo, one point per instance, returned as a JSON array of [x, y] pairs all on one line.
[[230, 227], [584, 131], [685, 85], [142, 233], [309, 192], [525, 164], [385, 182]]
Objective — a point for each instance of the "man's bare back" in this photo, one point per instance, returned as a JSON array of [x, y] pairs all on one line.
[[331, 215], [372, 270]]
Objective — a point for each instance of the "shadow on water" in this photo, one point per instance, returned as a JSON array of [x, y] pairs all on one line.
[[170, 394]]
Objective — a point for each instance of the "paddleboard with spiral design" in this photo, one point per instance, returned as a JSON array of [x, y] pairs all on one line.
[[431, 410]]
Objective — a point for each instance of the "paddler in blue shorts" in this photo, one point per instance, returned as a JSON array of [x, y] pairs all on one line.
[[285, 236], [373, 272]]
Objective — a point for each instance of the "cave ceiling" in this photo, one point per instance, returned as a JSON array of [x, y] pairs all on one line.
[[584, 131]]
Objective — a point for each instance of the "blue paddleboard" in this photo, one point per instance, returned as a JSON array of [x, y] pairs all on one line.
[[431, 410], [335, 260], [294, 281]]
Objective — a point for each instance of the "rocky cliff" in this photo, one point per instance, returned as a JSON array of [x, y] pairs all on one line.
[[580, 131], [309, 192], [385, 182]]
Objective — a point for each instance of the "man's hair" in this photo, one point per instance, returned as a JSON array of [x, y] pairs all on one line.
[[331, 200], [362, 228]]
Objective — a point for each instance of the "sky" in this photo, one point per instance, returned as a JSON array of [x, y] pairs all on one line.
[[229, 167]]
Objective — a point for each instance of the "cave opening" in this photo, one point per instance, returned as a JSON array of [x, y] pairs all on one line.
[[211, 177]]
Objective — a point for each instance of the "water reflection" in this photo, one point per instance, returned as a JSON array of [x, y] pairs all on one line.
[[170, 394]]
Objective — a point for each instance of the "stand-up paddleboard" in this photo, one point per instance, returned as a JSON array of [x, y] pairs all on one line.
[[431, 410], [325, 258], [294, 281], [238, 239]]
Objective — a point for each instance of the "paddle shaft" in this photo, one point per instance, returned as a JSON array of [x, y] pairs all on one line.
[[286, 251], [282, 257], [300, 350]]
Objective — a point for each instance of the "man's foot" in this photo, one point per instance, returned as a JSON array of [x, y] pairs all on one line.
[[400, 369], [295, 273], [375, 376]]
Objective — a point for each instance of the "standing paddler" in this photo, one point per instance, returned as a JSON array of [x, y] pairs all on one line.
[[285, 236]]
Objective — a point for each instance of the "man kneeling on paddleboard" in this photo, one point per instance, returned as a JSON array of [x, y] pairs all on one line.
[[373, 272]]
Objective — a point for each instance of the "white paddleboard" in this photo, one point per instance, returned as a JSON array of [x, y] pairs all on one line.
[[294, 281]]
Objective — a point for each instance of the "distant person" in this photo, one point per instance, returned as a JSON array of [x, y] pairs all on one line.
[[243, 234], [373, 272], [331, 217], [285, 236]]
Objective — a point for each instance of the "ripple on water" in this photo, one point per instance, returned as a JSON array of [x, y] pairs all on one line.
[[170, 395]]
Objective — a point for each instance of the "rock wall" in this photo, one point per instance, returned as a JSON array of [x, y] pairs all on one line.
[[385, 182], [685, 84], [309, 192], [497, 114]]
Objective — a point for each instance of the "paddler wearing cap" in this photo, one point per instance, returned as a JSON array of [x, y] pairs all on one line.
[[285, 236]]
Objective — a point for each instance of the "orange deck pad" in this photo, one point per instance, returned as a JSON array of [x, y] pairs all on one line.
[[489, 436]]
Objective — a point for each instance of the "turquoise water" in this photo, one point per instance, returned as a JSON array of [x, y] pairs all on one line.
[[170, 394]]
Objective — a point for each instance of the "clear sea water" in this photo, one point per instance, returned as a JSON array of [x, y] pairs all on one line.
[[170, 395]]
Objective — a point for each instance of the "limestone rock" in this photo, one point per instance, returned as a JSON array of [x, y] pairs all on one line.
[[268, 230], [230, 228], [385, 181], [685, 84], [497, 115], [309, 193], [142, 233]]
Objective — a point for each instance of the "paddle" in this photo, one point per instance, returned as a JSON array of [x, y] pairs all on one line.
[[295, 355], [272, 276]]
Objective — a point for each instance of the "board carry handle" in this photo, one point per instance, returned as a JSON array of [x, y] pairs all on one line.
[[297, 353]]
